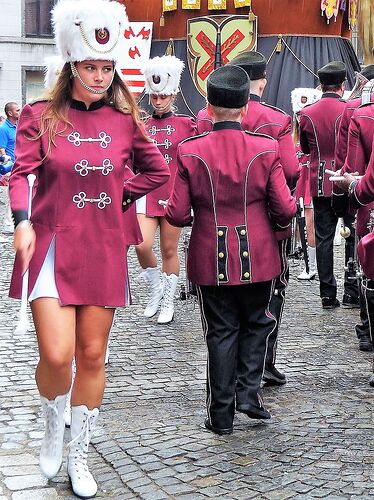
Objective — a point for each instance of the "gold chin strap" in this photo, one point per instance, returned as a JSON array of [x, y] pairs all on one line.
[[87, 87]]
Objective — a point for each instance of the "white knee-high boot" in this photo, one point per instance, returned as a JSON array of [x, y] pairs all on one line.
[[152, 277], [83, 422], [167, 304], [312, 266], [52, 444]]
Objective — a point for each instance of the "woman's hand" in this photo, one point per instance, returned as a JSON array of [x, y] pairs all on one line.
[[24, 243]]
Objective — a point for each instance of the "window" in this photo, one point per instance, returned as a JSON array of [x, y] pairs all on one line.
[[34, 85], [38, 17]]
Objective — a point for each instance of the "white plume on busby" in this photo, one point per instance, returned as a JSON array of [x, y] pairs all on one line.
[[162, 75], [89, 29], [302, 97], [52, 68]]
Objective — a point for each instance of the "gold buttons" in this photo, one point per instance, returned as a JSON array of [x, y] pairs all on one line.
[[221, 276], [243, 232], [220, 233], [221, 255], [245, 253], [246, 275]]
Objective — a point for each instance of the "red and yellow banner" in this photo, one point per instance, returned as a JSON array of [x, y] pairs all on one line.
[[216, 4], [191, 4], [168, 5], [352, 14], [242, 3], [330, 8]]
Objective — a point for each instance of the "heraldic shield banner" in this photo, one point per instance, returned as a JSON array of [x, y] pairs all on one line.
[[238, 33]]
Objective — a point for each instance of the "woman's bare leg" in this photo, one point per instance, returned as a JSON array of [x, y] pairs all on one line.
[[93, 325], [169, 239], [144, 250], [55, 330]]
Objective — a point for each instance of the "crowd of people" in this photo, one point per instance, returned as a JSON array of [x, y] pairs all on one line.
[[231, 174]]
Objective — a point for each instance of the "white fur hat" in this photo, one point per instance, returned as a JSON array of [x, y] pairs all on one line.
[[162, 75], [302, 97], [89, 29], [52, 68]]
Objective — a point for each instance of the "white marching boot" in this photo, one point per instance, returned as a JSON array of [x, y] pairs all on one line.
[[312, 266], [51, 449], [167, 304], [82, 424], [155, 290]]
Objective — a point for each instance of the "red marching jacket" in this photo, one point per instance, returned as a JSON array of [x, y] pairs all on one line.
[[82, 185], [167, 131], [262, 118], [234, 183], [319, 124], [360, 146]]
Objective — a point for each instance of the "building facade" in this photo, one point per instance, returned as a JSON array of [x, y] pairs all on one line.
[[25, 41]]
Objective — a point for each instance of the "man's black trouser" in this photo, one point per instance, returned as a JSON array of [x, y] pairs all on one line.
[[236, 324]]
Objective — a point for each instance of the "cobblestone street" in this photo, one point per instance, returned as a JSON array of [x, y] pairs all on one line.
[[151, 443]]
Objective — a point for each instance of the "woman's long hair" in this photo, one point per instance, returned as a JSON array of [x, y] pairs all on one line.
[[365, 24], [54, 118]]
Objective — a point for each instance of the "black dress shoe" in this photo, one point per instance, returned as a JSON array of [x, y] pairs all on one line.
[[364, 343], [330, 302], [350, 302], [217, 430], [254, 411], [272, 376], [371, 381]]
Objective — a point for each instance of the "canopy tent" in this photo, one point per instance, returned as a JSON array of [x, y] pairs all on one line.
[[296, 39]]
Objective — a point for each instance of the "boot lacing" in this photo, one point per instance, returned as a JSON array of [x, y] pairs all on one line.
[[168, 298], [79, 456], [51, 428]]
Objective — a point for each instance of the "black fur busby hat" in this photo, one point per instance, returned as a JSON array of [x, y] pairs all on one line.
[[333, 73], [254, 63], [228, 87], [368, 72]]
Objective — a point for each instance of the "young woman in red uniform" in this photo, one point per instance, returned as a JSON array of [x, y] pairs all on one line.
[[300, 98], [167, 129], [78, 143]]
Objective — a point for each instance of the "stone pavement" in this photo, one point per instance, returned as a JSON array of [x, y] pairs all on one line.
[[151, 443]]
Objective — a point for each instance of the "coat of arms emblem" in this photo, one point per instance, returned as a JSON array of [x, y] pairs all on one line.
[[234, 33]]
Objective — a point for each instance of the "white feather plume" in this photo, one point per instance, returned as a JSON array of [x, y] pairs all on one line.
[[301, 97], [52, 68], [91, 15], [162, 75]]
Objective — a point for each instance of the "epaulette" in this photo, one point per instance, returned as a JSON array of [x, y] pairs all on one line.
[[365, 104], [274, 107], [193, 137], [259, 135]]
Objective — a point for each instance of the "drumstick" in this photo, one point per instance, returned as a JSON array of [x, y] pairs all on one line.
[[23, 322]]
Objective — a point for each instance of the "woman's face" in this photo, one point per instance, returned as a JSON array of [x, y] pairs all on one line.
[[97, 75], [162, 103]]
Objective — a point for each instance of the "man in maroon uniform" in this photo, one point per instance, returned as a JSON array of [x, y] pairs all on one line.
[[361, 194], [319, 124], [233, 255], [262, 118], [360, 147], [358, 143]]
